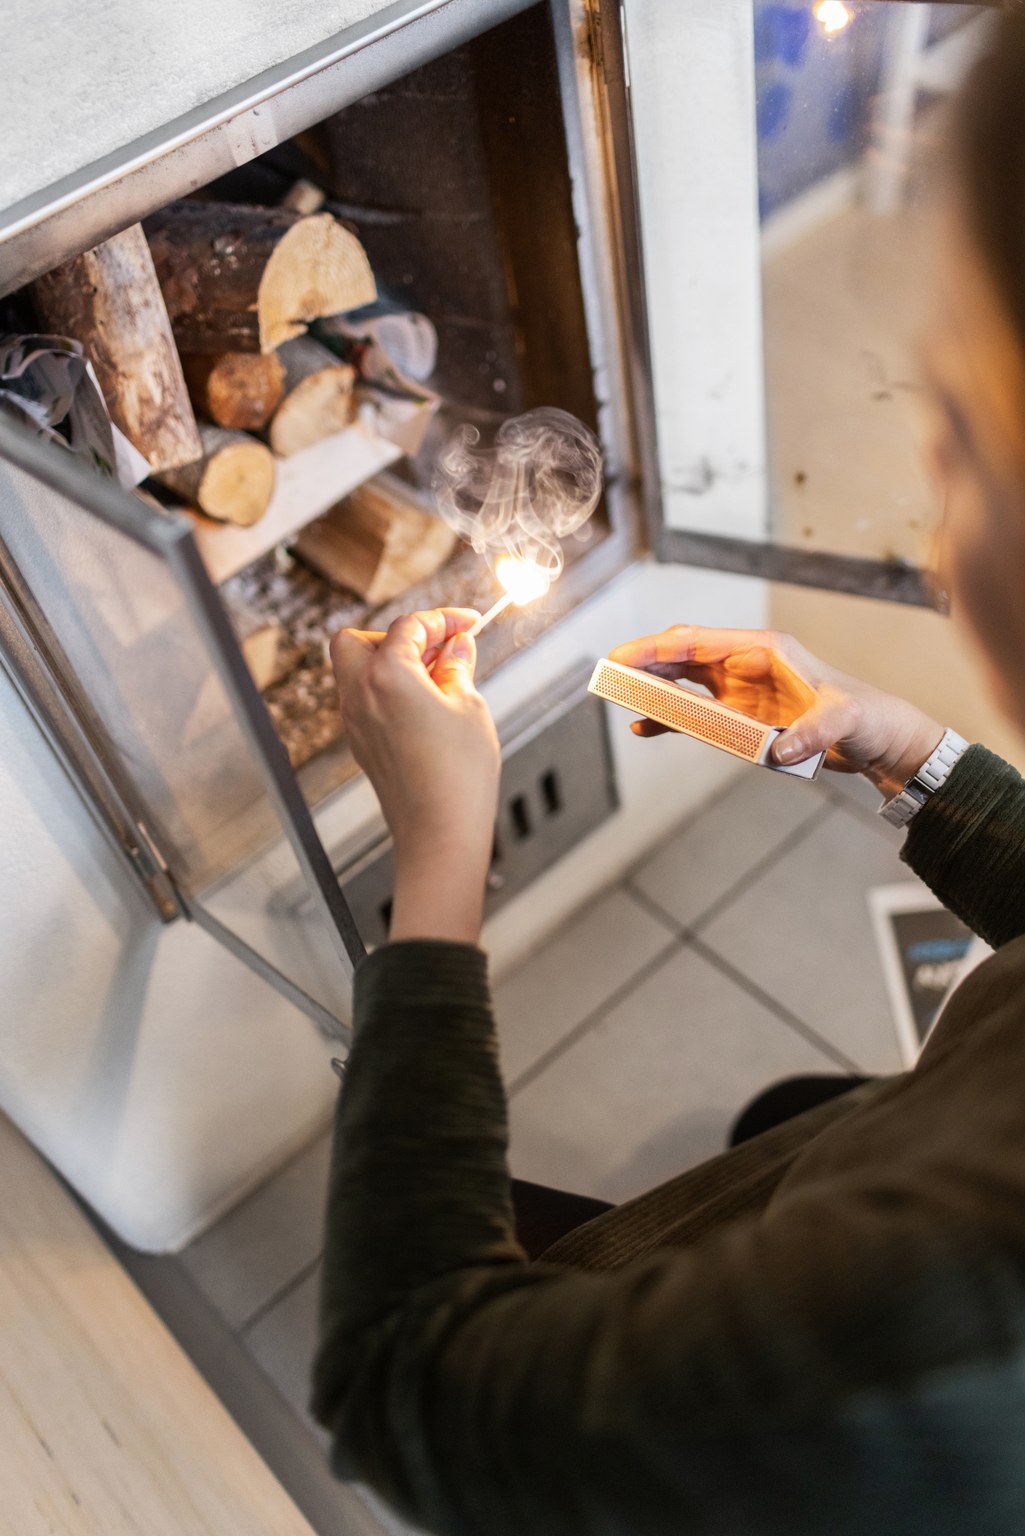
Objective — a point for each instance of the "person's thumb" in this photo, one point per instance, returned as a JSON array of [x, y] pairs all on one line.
[[453, 670], [818, 729]]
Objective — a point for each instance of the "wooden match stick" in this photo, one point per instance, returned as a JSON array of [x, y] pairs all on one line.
[[492, 613]]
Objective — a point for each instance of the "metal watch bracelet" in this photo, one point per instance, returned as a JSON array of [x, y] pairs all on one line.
[[922, 785]]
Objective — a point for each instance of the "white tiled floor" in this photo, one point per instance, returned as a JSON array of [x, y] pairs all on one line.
[[738, 953]]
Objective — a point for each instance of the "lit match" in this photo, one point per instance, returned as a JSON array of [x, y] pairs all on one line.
[[523, 582]]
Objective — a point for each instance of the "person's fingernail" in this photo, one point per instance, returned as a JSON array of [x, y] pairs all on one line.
[[461, 648], [787, 751]]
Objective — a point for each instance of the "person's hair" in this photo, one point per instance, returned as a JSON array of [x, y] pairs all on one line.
[[989, 139]]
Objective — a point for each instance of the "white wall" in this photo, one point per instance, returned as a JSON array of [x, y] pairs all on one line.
[[156, 1072]]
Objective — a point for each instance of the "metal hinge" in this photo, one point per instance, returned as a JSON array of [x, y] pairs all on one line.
[[152, 867]]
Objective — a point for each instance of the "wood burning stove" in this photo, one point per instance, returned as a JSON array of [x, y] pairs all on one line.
[[490, 156], [489, 186]]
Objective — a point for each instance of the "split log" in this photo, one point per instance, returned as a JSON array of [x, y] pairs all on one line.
[[268, 655], [235, 389], [317, 396], [233, 481], [109, 300], [241, 279], [377, 542]]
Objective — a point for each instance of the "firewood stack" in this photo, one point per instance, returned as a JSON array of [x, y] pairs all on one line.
[[184, 317], [196, 324]]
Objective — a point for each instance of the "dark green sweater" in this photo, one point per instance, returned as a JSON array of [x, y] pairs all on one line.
[[821, 1331]]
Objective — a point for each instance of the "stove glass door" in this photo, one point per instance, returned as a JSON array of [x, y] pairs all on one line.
[[119, 607], [787, 152]]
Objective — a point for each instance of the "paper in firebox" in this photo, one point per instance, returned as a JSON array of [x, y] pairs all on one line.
[[393, 351], [47, 382]]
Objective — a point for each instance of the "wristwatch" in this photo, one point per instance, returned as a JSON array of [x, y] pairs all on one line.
[[923, 785]]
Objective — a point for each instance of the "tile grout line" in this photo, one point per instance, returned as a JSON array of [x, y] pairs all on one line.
[[646, 903], [773, 1005], [691, 937], [657, 912], [766, 862], [685, 930], [554, 1052], [280, 1294]]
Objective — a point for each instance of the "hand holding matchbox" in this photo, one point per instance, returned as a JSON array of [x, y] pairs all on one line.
[[681, 709], [515, 501]]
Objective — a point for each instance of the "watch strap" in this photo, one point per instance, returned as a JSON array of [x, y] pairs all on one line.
[[921, 786]]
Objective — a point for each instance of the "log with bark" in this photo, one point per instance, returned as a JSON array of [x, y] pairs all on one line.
[[109, 300], [377, 542], [235, 389], [232, 482], [242, 279], [317, 400]]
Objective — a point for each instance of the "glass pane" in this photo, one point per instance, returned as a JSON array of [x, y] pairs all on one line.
[[130, 649], [850, 104]]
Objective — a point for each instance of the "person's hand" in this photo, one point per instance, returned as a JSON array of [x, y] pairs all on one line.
[[428, 745], [772, 678]]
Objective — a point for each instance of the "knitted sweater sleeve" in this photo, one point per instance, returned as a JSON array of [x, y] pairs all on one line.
[[968, 844]]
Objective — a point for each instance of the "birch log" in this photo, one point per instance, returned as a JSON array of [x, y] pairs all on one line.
[[242, 279], [109, 300]]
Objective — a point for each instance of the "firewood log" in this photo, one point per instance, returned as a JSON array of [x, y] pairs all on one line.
[[233, 481], [109, 300], [304, 197], [377, 542], [317, 396], [235, 389], [241, 279], [266, 652]]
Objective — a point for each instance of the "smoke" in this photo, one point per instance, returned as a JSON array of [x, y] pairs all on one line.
[[539, 483]]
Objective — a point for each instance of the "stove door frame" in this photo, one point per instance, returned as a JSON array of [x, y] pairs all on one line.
[[691, 409], [46, 681]]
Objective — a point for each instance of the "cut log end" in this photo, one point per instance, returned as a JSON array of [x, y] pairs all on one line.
[[241, 279], [377, 542], [321, 404], [234, 480], [304, 196], [236, 389], [237, 484], [266, 652], [317, 268]]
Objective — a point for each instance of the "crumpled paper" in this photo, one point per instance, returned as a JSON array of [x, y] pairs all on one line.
[[46, 382]]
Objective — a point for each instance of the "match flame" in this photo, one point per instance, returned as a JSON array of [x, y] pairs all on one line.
[[522, 579], [832, 16]]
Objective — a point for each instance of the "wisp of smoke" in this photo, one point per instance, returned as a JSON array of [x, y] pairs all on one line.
[[539, 482]]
